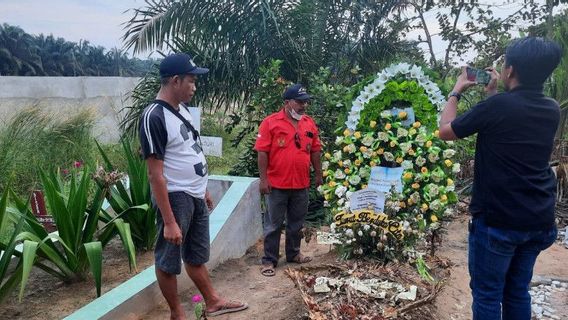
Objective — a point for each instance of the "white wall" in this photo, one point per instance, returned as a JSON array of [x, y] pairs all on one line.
[[64, 96]]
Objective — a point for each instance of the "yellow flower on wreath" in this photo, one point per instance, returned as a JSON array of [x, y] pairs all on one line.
[[448, 163], [416, 124], [372, 163], [340, 163], [388, 126], [332, 184], [393, 144], [407, 176], [399, 160], [347, 171], [327, 155], [358, 162], [402, 115], [346, 183], [424, 207], [437, 133], [373, 124], [380, 151], [433, 218], [424, 170], [416, 185], [450, 182], [325, 173], [363, 149], [347, 132], [411, 152], [428, 144], [357, 135], [444, 198]]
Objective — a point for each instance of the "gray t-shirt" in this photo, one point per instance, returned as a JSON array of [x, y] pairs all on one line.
[[164, 136]]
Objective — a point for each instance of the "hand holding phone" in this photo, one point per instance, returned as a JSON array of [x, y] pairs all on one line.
[[479, 76]]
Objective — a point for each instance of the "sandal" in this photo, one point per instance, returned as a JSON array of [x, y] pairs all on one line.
[[267, 270], [228, 307], [300, 259]]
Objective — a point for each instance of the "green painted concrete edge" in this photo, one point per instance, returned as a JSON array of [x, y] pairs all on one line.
[[120, 294]]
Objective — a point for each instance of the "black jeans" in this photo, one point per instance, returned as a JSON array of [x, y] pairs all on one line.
[[289, 204]]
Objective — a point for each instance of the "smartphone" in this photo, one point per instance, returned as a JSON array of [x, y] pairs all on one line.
[[479, 76]]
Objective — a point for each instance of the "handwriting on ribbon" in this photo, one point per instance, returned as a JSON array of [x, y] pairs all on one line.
[[381, 220]]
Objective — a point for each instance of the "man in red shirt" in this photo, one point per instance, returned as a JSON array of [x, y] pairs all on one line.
[[287, 143]]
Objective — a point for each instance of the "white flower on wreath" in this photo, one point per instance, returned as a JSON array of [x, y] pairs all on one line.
[[435, 205], [386, 114], [366, 227], [338, 140], [354, 180], [340, 191], [348, 195], [347, 163], [367, 140], [364, 173], [325, 165], [368, 153], [351, 148], [383, 136], [415, 197], [456, 168], [401, 132], [405, 147], [433, 190], [341, 201], [450, 188], [332, 227], [337, 155], [388, 156], [349, 232], [448, 153], [339, 174], [406, 164], [360, 233], [420, 161], [433, 157]]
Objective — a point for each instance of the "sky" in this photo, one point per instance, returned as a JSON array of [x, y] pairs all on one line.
[[101, 22], [98, 21]]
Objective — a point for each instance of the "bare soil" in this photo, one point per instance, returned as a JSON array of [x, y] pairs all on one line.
[[271, 298], [46, 297]]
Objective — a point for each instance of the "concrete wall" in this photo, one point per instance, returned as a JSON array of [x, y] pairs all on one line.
[[235, 225], [65, 96]]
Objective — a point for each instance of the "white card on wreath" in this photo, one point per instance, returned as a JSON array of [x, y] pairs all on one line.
[[367, 199], [384, 178], [410, 118]]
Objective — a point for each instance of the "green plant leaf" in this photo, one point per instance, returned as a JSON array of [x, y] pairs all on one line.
[[126, 237], [94, 251], [29, 255]]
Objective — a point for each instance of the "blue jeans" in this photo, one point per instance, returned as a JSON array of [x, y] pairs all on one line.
[[501, 266]]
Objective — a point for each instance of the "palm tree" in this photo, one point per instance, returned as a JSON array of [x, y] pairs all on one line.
[[235, 37], [18, 52]]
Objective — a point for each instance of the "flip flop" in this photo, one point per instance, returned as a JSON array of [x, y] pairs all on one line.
[[226, 308], [267, 270], [300, 259]]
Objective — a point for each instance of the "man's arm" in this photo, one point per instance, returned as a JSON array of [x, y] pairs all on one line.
[[451, 108], [158, 183], [262, 168], [315, 158]]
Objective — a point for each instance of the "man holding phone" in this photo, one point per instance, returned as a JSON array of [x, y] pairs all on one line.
[[514, 188]]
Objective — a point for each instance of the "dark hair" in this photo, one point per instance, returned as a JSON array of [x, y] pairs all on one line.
[[533, 59], [165, 80]]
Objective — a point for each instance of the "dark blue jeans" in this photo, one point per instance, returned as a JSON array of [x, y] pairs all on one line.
[[501, 266]]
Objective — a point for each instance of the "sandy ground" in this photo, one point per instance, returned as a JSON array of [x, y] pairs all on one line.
[[46, 297], [271, 298], [276, 298]]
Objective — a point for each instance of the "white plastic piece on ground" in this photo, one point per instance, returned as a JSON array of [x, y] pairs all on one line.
[[408, 295]]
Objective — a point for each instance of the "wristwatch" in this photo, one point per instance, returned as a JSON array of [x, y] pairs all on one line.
[[455, 94]]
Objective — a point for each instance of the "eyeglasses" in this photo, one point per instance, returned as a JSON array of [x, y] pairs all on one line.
[[297, 141]]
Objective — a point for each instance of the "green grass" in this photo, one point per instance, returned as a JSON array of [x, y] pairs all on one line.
[[213, 125]]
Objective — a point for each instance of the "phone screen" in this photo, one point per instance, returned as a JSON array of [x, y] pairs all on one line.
[[478, 75]]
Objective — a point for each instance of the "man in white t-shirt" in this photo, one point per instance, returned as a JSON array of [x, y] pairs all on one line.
[[177, 172]]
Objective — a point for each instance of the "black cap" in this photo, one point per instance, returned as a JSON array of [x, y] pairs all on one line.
[[179, 63], [297, 92]]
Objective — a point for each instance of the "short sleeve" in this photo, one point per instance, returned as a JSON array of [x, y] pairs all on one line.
[[474, 120], [153, 134], [264, 138], [316, 142]]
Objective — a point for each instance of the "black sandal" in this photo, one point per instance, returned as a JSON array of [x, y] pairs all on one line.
[[267, 270]]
